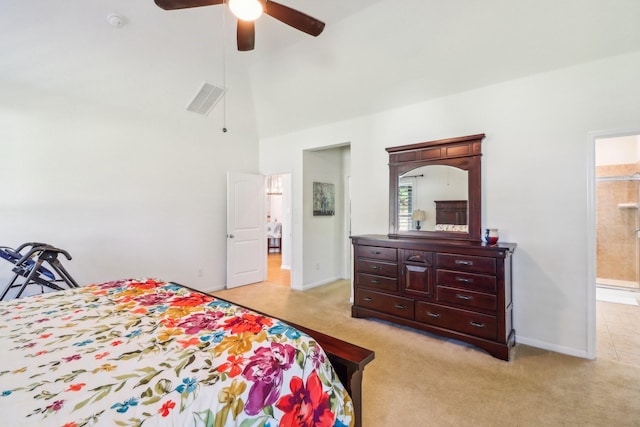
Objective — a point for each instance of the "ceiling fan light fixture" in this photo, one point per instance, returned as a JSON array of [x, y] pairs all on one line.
[[247, 10]]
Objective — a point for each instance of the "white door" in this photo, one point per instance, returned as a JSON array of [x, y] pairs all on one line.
[[246, 229]]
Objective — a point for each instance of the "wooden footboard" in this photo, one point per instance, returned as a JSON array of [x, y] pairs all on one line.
[[348, 361]]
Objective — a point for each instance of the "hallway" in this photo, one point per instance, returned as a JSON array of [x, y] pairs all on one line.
[[275, 274]]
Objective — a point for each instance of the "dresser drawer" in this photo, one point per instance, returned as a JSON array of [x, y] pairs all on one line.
[[377, 252], [474, 264], [376, 267], [472, 281], [480, 325], [391, 304], [419, 257], [467, 298], [377, 282]]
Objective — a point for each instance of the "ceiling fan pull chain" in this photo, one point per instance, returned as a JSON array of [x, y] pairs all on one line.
[[224, 71]]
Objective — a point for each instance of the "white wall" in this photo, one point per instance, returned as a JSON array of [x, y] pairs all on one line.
[[323, 236], [287, 222], [535, 177], [128, 195], [347, 267]]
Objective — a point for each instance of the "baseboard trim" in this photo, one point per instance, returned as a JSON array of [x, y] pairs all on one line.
[[212, 290], [320, 283]]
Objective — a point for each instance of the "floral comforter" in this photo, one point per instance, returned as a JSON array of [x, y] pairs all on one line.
[[145, 352]]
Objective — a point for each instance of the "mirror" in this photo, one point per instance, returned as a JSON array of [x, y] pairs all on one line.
[[435, 189], [433, 198]]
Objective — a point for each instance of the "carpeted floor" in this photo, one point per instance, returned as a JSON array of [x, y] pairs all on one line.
[[421, 380]]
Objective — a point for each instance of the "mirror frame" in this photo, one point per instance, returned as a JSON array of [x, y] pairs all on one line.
[[464, 153]]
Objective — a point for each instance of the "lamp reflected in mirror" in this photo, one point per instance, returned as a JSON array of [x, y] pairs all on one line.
[[419, 215]]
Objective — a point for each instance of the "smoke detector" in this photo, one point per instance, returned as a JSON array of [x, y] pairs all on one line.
[[116, 20]]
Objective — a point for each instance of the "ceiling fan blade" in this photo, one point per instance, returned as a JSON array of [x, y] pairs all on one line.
[[292, 17], [185, 4], [246, 35]]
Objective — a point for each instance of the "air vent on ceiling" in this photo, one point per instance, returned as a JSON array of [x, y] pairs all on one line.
[[205, 99]]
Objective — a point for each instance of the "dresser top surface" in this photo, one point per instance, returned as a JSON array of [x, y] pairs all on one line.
[[433, 244]]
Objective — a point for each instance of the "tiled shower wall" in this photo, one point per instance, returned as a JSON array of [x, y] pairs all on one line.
[[616, 242]]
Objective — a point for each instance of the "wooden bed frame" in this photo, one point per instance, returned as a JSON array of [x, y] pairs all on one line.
[[348, 359], [451, 212]]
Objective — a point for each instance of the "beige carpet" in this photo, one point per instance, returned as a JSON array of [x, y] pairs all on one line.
[[420, 380]]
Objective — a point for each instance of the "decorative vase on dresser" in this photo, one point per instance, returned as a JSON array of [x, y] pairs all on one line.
[[449, 283]]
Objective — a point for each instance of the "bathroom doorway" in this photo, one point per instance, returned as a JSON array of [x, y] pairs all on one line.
[[617, 248], [617, 193]]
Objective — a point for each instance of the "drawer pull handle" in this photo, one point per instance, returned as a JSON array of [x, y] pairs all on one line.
[[416, 258], [464, 297], [375, 282], [464, 280], [464, 262], [368, 299], [376, 252], [430, 314], [400, 306], [375, 267], [477, 324]]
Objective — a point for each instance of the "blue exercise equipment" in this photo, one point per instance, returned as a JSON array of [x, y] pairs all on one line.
[[28, 262]]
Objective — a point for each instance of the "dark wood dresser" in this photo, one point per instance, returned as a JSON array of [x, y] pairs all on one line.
[[457, 289]]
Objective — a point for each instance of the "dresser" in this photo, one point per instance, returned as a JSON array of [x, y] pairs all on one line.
[[456, 289]]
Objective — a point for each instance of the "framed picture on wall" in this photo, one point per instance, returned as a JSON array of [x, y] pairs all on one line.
[[324, 199]]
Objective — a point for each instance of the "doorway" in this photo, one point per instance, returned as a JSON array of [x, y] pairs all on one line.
[[278, 228], [617, 247], [617, 212]]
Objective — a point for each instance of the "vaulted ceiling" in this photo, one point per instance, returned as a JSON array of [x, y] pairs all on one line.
[[373, 54]]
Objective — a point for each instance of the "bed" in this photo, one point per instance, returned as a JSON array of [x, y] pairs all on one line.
[[154, 353], [451, 215]]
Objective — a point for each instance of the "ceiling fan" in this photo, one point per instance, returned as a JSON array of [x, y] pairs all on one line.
[[247, 11]]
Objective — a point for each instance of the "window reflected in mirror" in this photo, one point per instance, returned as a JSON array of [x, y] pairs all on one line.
[[433, 198]]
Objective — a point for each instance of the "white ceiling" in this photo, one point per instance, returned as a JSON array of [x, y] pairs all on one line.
[[373, 54], [157, 60]]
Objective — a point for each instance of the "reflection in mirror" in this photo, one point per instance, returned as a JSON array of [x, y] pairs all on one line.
[[438, 177], [433, 198]]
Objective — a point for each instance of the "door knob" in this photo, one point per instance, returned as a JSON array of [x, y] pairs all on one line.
[[231, 236]]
